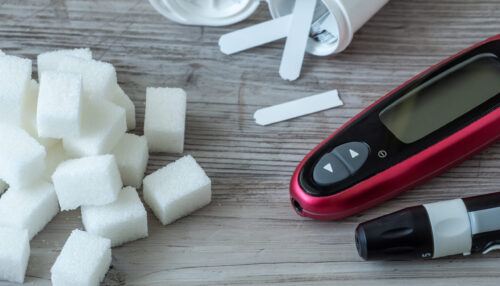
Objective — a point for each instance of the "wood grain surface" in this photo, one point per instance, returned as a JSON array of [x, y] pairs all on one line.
[[249, 234]]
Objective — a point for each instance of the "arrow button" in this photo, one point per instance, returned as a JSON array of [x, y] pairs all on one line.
[[353, 155], [329, 170], [328, 167]]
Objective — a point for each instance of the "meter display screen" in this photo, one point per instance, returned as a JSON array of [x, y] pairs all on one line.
[[443, 98]]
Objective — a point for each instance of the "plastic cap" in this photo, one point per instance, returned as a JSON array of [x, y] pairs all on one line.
[[206, 12], [402, 235]]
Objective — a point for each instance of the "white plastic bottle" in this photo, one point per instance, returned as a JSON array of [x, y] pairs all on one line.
[[335, 21], [334, 24]]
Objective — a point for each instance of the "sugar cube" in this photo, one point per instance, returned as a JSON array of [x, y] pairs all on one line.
[[55, 156], [83, 261], [30, 208], [2, 53], [93, 180], [177, 189], [121, 221], [15, 75], [132, 155], [29, 118], [103, 125], [121, 99], [22, 157], [50, 60], [14, 254], [3, 187], [59, 105], [98, 78], [165, 119]]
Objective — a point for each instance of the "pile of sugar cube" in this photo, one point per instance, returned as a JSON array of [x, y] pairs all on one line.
[[64, 146]]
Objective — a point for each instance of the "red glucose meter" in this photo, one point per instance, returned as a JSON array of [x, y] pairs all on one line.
[[431, 123]]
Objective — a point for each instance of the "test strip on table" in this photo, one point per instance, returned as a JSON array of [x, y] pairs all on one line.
[[296, 42], [296, 108], [255, 36]]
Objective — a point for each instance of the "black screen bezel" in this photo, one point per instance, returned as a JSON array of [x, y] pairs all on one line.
[[380, 138]]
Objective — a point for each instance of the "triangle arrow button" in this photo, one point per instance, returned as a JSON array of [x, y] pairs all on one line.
[[353, 153], [328, 167], [329, 170]]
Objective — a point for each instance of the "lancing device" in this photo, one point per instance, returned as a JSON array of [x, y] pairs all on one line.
[[460, 226]]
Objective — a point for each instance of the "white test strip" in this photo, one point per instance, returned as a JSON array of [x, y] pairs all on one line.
[[296, 42], [298, 107], [255, 36]]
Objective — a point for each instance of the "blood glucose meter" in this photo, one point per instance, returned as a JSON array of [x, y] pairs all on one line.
[[431, 123]]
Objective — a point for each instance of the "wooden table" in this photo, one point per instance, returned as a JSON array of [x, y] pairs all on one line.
[[249, 234]]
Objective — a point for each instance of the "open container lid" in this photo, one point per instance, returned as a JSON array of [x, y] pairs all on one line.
[[206, 12], [330, 31]]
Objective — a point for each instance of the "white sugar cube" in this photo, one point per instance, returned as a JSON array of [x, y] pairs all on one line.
[[98, 78], [29, 118], [14, 254], [30, 208], [119, 98], [121, 221], [55, 156], [2, 53], [50, 60], [132, 156], [165, 119], [177, 189], [22, 157], [3, 187], [15, 75], [103, 125], [59, 104], [91, 180], [83, 261]]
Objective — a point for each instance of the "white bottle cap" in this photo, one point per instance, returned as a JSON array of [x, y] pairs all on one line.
[[206, 12]]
